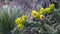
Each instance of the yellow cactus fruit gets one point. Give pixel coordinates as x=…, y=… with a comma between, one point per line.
x=42, y=11
x=24, y=17
x=17, y=21
x=41, y=17
x=35, y=14
x=20, y=26
x=51, y=6
x=21, y=20
x=48, y=10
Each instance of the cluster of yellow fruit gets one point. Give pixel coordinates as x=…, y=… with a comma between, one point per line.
x=42, y=11
x=20, y=22
x=36, y=15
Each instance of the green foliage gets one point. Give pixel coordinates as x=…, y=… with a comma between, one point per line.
x=7, y=19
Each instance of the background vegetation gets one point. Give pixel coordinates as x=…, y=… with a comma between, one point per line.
x=12, y=9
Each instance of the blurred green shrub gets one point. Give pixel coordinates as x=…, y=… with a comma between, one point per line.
x=7, y=19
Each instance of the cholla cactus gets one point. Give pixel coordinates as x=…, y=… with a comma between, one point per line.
x=47, y=24
x=42, y=12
